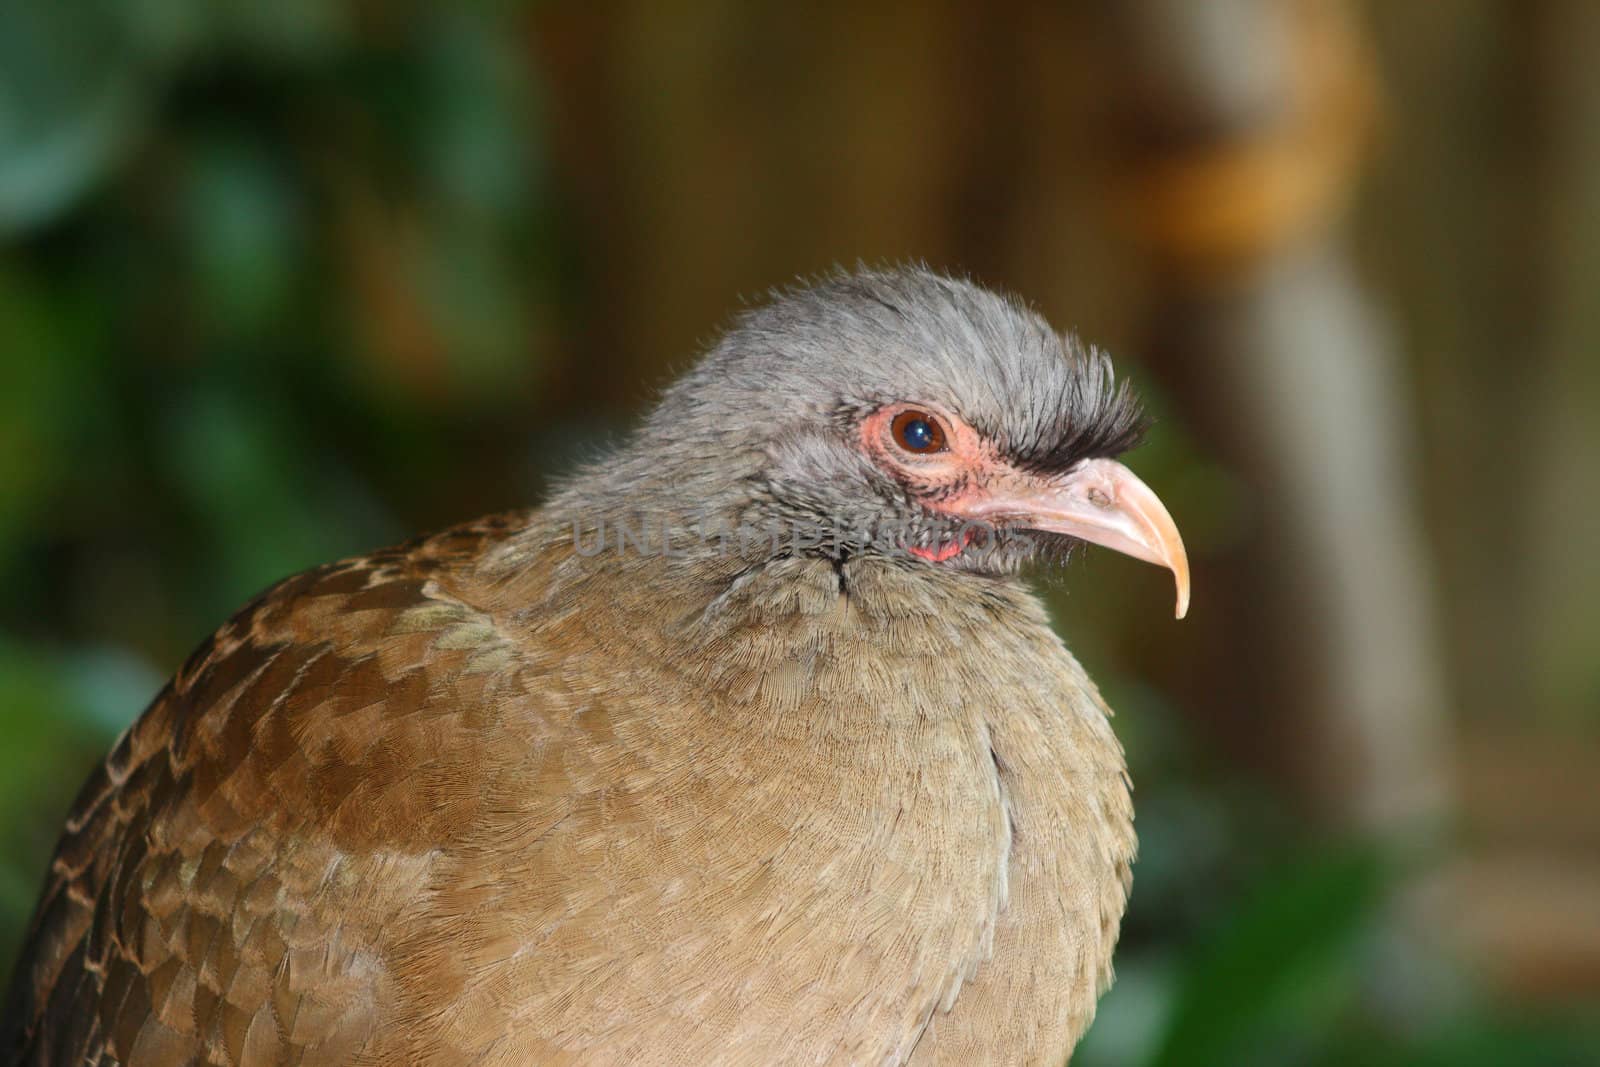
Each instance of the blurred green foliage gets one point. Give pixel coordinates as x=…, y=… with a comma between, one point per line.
x=269, y=294
x=280, y=282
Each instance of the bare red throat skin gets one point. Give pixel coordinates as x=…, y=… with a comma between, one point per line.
x=945, y=550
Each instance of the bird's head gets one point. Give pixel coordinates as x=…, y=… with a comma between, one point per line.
x=907, y=414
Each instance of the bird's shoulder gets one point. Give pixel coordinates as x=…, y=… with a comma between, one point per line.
x=276, y=802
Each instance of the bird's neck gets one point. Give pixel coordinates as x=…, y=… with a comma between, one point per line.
x=660, y=571
x=690, y=533
x=646, y=511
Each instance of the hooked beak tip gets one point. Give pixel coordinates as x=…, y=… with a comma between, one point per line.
x=1104, y=503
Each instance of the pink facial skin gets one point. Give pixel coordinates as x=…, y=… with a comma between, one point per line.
x=938, y=479
x=1099, y=500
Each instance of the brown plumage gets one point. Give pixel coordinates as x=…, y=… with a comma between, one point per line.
x=496, y=797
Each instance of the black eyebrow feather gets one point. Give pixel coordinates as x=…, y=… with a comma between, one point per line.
x=1096, y=417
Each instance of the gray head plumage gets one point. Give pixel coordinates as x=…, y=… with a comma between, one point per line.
x=862, y=338
x=764, y=427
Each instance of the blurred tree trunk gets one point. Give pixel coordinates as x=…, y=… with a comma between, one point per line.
x=1238, y=128
x=1493, y=220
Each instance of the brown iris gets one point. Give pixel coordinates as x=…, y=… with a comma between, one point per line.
x=917, y=431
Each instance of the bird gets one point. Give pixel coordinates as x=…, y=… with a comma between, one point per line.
x=751, y=745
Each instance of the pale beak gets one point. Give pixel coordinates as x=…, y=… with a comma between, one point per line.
x=1099, y=501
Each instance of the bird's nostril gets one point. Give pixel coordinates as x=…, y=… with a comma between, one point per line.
x=1098, y=498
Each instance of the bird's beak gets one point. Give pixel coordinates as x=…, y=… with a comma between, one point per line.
x=1102, y=502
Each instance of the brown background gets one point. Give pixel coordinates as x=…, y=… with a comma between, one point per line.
x=308, y=278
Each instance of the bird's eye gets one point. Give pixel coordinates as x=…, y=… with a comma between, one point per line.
x=917, y=431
